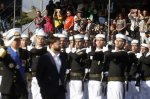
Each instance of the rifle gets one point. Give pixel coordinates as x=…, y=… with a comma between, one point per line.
x=67, y=76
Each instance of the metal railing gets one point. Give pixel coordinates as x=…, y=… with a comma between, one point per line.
x=31, y=23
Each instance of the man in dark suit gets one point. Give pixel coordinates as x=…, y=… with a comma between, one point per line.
x=51, y=71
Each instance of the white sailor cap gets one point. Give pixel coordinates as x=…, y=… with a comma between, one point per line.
x=70, y=38
x=24, y=35
x=62, y=36
x=55, y=35
x=64, y=32
x=134, y=41
x=121, y=36
x=86, y=38
x=40, y=33
x=78, y=37
x=144, y=45
x=100, y=36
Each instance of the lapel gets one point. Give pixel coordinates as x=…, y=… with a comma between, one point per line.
x=52, y=61
x=62, y=62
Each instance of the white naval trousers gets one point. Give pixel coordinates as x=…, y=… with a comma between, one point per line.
x=95, y=90
x=68, y=90
x=115, y=90
x=35, y=89
x=76, y=90
x=132, y=92
x=145, y=90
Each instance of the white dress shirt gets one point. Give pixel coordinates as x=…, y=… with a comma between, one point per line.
x=56, y=59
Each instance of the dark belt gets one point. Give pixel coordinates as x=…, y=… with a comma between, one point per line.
x=76, y=76
x=132, y=79
x=122, y=79
x=146, y=78
x=95, y=77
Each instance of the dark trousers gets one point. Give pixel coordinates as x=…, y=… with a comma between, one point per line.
x=5, y=96
x=59, y=95
x=14, y=94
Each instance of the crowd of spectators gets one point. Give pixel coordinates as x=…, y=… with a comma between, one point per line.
x=90, y=19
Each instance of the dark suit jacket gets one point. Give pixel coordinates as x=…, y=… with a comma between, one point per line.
x=48, y=76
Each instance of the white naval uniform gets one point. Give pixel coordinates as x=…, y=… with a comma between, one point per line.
x=133, y=91
x=115, y=89
x=35, y=89
x=145, y=87
x=76, y=91
x=76, y=88
x=94, y=87
x=68, y=50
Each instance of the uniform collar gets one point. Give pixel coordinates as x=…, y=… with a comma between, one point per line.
x=14, y=50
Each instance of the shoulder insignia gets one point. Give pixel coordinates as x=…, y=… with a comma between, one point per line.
x=2, y=52
x=11, y=65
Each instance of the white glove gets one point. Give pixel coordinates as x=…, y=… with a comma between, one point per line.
x=73, y=50
x=88, y=50
x=137, y=88
x=68, y=50
x=138, y=55
x=67, y=71
x=86, y=70
x=106, y=73
x=105, y=49
x=137, y=75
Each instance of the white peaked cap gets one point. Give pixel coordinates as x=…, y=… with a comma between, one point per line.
x=98, y=36
x=144, y=45
x=13, y=32
x=121, y=36
x=134, y=41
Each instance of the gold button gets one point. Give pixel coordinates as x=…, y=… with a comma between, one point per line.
x=14, y=81
x=11, y=65
x=15, y=71
x=14, y=76
x=1, y=68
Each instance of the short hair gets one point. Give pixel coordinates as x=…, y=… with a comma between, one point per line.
x=52, y=40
